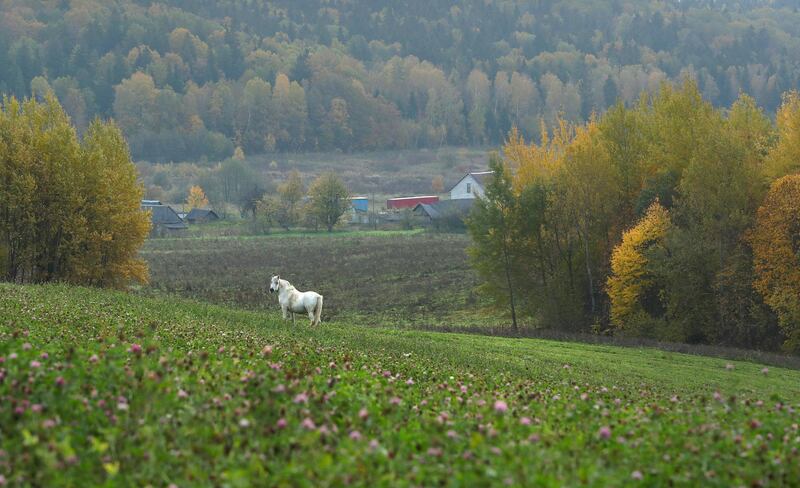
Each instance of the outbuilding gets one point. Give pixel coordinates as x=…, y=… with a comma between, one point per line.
x=409, y=202
x=164, y=219
x=201, y=215
x=361, y=204
x=446, y=214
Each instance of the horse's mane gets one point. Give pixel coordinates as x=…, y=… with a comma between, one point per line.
x=289, y=286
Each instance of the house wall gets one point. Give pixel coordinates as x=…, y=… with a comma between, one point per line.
x=460, y=190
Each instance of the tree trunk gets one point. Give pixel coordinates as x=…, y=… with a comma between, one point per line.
x=510, y=289
x=585, y=236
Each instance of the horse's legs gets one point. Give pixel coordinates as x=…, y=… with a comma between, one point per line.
x=311, y=317
x=292, y=318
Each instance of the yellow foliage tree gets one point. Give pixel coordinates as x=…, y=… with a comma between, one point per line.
x=116, y=224
x=531, y=163
x=776, y=242
x=630, y=279
x=784, y=158
x=591, y=193
x=69, y=210
x=197, y=198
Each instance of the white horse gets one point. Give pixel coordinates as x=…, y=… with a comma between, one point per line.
x=294, y=301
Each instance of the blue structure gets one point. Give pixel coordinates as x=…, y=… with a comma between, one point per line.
x=361, y=204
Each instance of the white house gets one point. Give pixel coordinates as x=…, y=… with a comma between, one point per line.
x=470, y=185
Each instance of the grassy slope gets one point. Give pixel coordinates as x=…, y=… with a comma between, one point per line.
x=123, y=418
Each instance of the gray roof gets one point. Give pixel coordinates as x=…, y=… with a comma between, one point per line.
x=201, y=213
x=482, y=176
x=479, y=176
x=460, y=207
x=165, y=216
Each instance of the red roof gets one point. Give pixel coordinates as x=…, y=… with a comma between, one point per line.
x=410, y=202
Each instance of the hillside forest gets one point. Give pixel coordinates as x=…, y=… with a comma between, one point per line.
x=189, y=80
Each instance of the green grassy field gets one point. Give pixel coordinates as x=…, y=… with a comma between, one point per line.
x=99, y=387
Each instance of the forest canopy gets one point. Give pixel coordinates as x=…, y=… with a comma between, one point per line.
x=194, y=79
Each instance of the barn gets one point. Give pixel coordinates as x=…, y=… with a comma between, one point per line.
x=447, y=214
x=409, y=202
x=164, y=219
x=201, y=215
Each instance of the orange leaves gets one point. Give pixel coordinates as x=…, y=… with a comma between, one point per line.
x=197, y=198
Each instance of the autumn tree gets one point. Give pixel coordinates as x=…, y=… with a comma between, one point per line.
x=115, y=224
x=290, y=113
x=335, y=127
x=560, y=99
x=715, y=203
x=135, y=102
x=329, y=200
x=784, y=158
x=290, y=196
x=592, y=200
x=69, y=209
x=548, y=259
x=524, y=103
x=197, y=198
x=266, y=213
x=236, y=180
x=478, y=99
x=625, y=139
x=253, y=118
x=776, y=246
x=635, y=292
x=753, y=128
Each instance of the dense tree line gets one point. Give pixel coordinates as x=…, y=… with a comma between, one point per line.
x=193, y=79
x=670, y=219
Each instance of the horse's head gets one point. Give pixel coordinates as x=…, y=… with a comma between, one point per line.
x=275, y=284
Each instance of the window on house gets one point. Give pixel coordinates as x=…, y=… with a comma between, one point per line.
x=469, y=187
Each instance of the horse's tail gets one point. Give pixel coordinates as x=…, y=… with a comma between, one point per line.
x=318, y=310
